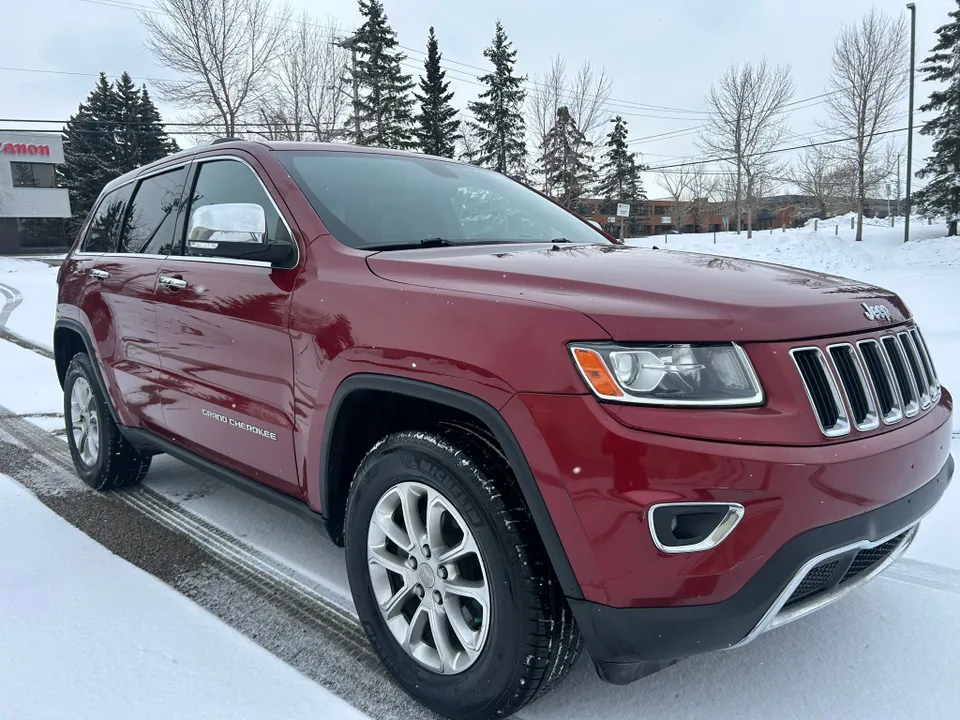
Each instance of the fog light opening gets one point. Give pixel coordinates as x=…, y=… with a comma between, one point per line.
x=692, y=527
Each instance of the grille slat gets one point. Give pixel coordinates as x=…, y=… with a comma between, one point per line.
x=882, y=380
x=932, y=383
x=854, y=386
x=822, y=391
x=933, y=368
x=911, y=403
x=916, y=371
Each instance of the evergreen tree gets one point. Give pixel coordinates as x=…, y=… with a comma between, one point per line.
x=89, y=150
x=128, y=124
x=565, y=162
x=942, y=193
x=153, y=139
x=620, y=175
x=116, y=130
x=438, y=126
x=499, y=121
x=385, y=105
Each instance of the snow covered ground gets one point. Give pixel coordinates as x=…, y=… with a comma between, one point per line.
x=85, y=634
x=890, y=650
x=37, y=283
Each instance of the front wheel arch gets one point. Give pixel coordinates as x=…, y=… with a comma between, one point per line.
x=436, y=402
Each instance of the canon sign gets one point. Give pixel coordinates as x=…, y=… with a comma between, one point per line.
x=23, y=149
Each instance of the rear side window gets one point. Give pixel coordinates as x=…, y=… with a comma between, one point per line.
x=230, y=182
x=153, y=214
x=101, y=234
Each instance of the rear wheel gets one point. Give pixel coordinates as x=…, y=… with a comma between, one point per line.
x=451, y=581
x=103, y=458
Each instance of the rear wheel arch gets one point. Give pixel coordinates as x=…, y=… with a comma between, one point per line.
x=368, y=407
x=70, y=338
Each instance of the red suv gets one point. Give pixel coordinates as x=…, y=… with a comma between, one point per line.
x=527, y=436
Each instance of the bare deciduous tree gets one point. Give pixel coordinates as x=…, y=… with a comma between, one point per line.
x=702, y=186
x=677, y=183
x=815, y=175
x=869, y=80
x=585, y=96
x=747, y=120
x=225, y=49
x=306, y=97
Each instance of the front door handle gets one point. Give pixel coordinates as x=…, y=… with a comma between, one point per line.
x=99, y=274
x=172, y=282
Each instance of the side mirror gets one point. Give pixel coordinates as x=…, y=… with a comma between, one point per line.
x=234, y=230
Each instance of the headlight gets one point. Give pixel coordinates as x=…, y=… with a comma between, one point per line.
x=718, y=375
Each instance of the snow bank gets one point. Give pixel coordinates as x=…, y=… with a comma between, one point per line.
x=87, y=635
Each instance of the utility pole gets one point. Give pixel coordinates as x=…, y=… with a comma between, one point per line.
x=913, y=42
x=350, y=44
x=898, y=185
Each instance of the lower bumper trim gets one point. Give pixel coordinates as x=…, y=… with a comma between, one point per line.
x=779, y=615
x=651, y=638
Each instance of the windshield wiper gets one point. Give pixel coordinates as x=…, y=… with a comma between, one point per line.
x=559, y=240
x=426, y=242
x=432, y=242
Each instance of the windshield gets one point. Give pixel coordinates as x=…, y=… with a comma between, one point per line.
x=369, y=200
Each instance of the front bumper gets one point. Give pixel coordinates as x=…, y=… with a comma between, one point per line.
x=629, y=643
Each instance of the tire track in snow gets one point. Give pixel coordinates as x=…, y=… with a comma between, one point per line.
x=272, y=604
x=11, y=299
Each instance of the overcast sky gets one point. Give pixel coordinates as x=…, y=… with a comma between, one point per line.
x=662, y=54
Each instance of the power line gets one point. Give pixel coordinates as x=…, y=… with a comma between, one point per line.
x=81, y=74
x=778, y=150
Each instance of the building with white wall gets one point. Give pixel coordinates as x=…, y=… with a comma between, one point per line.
x=32, y=208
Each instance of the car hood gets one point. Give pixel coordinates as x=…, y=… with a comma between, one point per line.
x=637, y=294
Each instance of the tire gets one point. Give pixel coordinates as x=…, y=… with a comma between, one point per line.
x=103, y=458
x=526, y=634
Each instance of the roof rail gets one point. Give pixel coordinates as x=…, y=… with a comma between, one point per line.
x=225, y=140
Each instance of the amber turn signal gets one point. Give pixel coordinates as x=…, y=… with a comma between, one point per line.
x=595, y=372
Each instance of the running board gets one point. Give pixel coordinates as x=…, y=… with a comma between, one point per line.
x=146, y=440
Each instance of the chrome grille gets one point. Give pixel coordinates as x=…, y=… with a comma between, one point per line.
x=886, y=379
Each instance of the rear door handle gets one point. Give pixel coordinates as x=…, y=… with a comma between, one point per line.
x=99, y=274
x=172, y=282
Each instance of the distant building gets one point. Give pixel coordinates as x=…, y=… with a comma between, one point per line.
x=33, y=209
x=656, y=216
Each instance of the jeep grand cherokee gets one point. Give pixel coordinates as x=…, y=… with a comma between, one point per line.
x=528, y=437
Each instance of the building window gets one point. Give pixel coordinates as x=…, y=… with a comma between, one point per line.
x=41, y=233
x=661, y=210
x=36, y=175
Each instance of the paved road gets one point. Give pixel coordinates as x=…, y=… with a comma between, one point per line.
x=272, y=604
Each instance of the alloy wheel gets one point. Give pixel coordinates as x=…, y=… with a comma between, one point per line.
x=429, y=578
x=85, y=422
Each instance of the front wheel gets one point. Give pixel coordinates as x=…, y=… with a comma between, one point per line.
x=450, y=580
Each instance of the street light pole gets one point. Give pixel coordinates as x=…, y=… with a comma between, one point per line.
x=350, y=44
x=913, y=42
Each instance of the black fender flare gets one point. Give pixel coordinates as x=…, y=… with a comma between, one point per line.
x=489, y=416
x=79, y=329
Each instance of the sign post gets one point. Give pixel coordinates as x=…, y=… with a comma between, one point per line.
x=623, y=211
